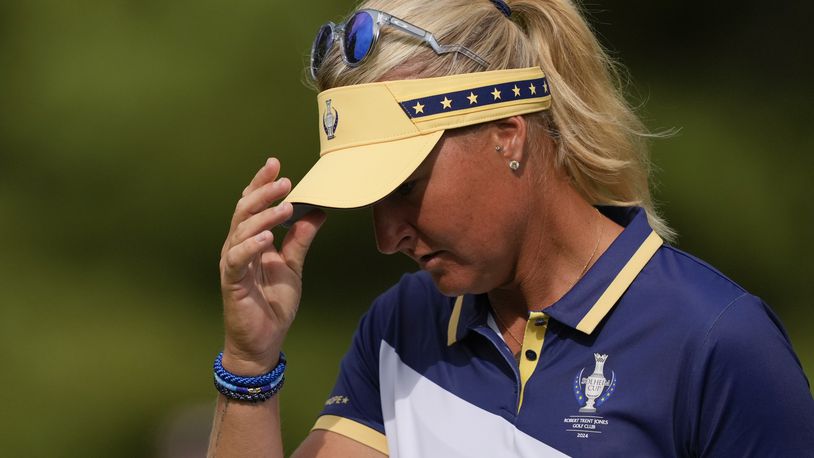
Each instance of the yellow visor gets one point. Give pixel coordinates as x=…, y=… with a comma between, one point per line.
x=373, y=136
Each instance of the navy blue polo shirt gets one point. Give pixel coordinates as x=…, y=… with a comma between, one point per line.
x=652, y=353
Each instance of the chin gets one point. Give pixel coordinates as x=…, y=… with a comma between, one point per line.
x=455, y=284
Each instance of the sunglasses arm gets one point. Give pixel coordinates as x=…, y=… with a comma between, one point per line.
x=457, y=48
x=429, y=38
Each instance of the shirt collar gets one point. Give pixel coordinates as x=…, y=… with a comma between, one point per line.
x=585, y=305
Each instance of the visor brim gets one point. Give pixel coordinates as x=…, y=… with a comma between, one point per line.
x=361, y=175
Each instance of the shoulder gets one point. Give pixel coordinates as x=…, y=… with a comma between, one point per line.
x=740, y=383
x=716, y=307
x=702, y=311
x=747, y=388
x=690, y=293
x=700, y=288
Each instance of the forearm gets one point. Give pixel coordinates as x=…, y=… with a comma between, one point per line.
x=243, y=429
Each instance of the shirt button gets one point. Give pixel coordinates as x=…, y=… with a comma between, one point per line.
x=531, y=355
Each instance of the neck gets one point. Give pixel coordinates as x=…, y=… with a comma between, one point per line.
x=564, y=236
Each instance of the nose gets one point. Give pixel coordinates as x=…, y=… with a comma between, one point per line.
x=393, y=229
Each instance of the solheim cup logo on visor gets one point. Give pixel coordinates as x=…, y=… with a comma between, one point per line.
x=591, y=391
x=330, y=119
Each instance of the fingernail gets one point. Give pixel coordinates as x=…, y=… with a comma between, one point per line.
x=262, y=237
x=284, y=207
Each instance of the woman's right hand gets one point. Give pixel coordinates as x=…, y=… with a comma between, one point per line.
x=261, y=285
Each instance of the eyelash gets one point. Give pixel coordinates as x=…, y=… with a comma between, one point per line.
x=405, y=188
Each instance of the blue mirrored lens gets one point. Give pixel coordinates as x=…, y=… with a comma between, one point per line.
x=322, y=44
x=358, y=37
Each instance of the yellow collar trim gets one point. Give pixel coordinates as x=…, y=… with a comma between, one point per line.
x=606, y=301
x=452, y=330
x=620, y=284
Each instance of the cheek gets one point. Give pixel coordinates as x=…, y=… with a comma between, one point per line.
x=480, y=218
x=477, y=217
x=482, y=259
x=444, y=217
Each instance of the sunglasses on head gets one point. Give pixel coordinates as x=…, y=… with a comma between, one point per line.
x=359, y=34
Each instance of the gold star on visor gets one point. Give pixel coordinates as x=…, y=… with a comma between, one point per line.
x=419, y=108
x=446, y=103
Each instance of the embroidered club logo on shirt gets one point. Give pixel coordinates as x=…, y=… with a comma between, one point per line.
x=591, y=392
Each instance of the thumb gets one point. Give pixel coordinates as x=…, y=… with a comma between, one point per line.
x=298, y=239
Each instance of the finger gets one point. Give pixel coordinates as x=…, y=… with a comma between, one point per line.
x=265, y=220
x=259, y=199
x=298, y=240
x=235, y=262
x=266, y=174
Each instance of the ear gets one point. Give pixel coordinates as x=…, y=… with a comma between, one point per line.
x=509, y=134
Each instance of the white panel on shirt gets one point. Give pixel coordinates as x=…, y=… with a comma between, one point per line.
x=421, y=419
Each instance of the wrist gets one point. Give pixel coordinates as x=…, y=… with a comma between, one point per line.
x=250, y=363
x=249, y=367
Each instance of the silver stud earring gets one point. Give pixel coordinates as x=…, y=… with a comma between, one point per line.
x=498, y=148
x=514, y=165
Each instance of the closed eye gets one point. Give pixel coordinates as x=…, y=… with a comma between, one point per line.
x=406, y=188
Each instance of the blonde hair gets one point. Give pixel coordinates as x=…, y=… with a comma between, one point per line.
x=600, y=142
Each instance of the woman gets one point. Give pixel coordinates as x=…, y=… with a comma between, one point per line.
x=548, y=317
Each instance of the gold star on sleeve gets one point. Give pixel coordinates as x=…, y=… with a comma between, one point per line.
x=473, y=99
x=496, y=94
x=533, y=88
x=419, y=108
x=545, y=87
x=516, y=91
x=446, y=103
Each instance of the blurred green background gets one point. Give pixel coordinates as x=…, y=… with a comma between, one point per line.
x=129, y=128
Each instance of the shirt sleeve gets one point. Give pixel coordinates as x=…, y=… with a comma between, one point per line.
x=750, y=394
x=353, y=408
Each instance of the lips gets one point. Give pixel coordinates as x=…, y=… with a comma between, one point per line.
x=428, y=260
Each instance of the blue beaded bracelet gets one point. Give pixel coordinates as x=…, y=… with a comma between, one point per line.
x=258, y=397
x=251, y=382
x=249, y=390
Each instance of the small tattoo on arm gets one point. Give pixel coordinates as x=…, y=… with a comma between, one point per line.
x=214, y=436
